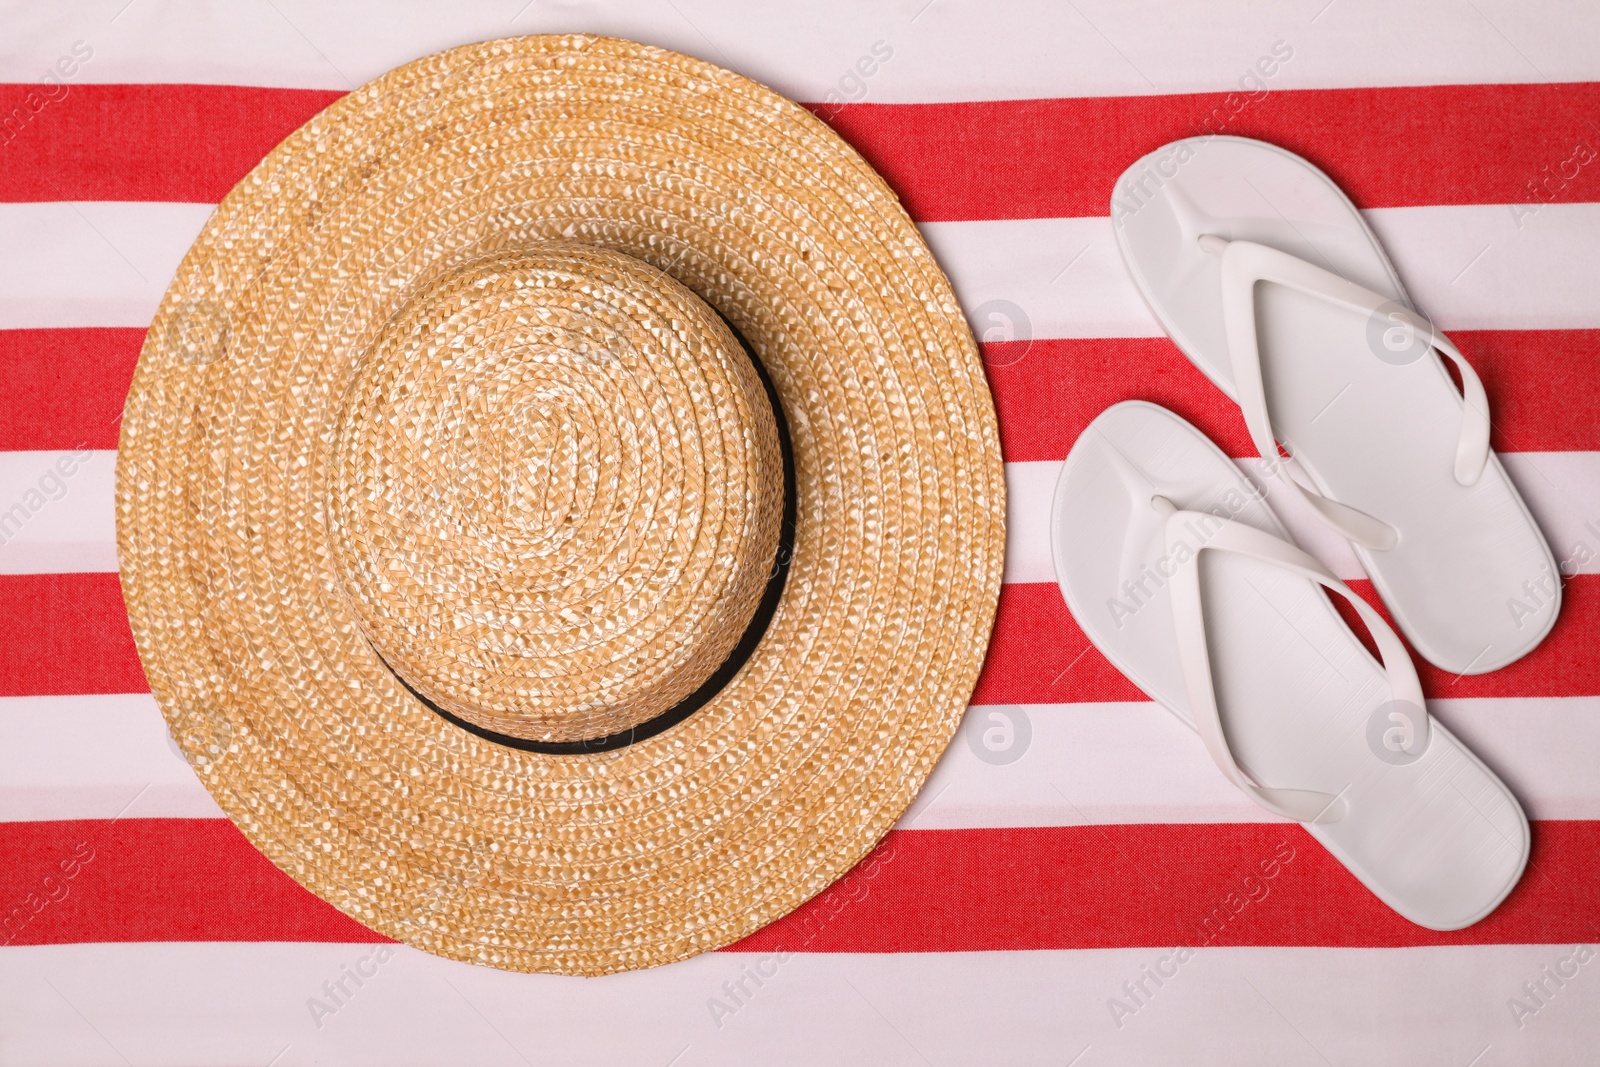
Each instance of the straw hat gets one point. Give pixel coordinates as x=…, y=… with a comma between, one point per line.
x=490, y=585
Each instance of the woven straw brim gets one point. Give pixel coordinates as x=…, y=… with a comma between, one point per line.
x=423, y=831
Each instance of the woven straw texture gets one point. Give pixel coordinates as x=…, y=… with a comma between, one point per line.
x=415, y=396
x=555, y=492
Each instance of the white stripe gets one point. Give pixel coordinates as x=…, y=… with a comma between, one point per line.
x=57, y=512
x=253, y=1003
x=101, y=757
x=93, y=757
x=940, y=51
x=51, y=524
x=1562, y=489
x=90, y=264
x=1469, y=267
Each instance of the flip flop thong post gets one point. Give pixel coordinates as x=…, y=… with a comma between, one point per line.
x=1271, y=282
x=1179, y=573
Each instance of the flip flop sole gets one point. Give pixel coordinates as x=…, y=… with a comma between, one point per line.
x=1436, y=835
x=1369, y=412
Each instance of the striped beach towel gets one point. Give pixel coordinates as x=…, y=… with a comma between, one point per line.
x=1076, y=884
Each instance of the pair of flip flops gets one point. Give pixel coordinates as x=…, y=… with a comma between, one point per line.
x=1178, y=571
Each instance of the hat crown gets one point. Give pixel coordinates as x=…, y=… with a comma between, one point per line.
x=556, y=487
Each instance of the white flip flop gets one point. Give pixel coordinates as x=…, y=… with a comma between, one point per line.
x=1179, y=573
x=1270, y=281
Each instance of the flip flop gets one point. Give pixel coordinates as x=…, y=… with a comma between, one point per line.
x=1179, y=573
x=1331, y=360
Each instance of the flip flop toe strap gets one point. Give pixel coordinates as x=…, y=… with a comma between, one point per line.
x=1301, y=805
x=1244, y=263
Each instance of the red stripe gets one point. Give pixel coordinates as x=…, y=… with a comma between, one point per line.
x=1566, y=663
x=1465, y=144
x=1019, y=159
x=1157, y=886
x=1047, y=392
x=68, y=386
x=921, y=891
x=1038, y=655
x=68, y=633
x=152, y=880
x=1543, y=393
x=65, y=388
x=180, y=143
